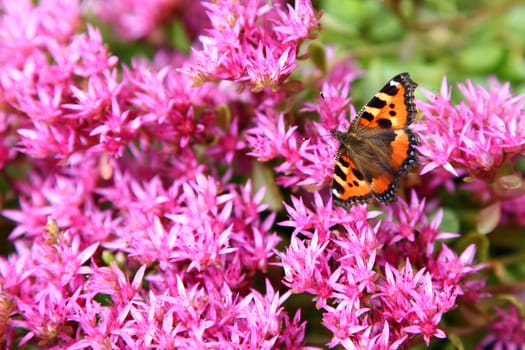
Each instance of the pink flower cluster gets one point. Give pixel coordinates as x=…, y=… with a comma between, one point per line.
x=130, y=231
x=508, y=330
x=306, y=158
x=477, y=136
x=379, y=282
x=135, y=222
x=136, y=19
x=482, y=138
x=256, y=44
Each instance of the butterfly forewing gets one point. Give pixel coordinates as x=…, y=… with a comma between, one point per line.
x=392, y=107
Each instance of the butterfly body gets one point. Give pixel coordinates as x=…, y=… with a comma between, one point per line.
x=378, y=147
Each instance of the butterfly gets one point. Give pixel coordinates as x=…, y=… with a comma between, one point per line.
x=378, y=147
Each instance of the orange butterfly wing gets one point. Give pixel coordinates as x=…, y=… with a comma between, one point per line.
x=392, y=107
x=404, y=153
x=384, y=121
x=349, y=184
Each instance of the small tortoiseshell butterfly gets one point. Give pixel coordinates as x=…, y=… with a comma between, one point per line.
x=378, y=147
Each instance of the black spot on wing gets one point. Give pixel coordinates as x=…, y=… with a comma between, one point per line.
x=376, y=102
x=384, y=123
x=389, y=89
x=358, y=174
x=336, y=186
x=339, y=172
x=343, y=162
x=368, y=116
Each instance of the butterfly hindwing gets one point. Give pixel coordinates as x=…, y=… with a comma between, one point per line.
x=349, y=185
x=384, y=187
x=378, y=147
x=403, y=151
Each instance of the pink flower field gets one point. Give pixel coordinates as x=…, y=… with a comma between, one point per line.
x=168, y=191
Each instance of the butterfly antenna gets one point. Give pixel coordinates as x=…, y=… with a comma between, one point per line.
x=323, y=108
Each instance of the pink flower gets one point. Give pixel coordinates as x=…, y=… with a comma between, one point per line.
x=45, y=297
x=427, y=310
x=361, y=280
x=507, y=330
x=134, y=20
x=345, y=321
x=239, y=48
x=112, y=282
x=229, y=146
x=479, y=135
x=49, y=124
x=299, y=22
x=303, y=269
x=307, y=159
x=139, y=220
x=268, y=71
x=513, y=211
x=408, y=232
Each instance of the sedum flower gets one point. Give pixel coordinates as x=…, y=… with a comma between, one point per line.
x=478, y=135
x=359, y=282
x=239, y=47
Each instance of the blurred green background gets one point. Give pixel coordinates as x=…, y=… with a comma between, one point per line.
x=462, y=39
